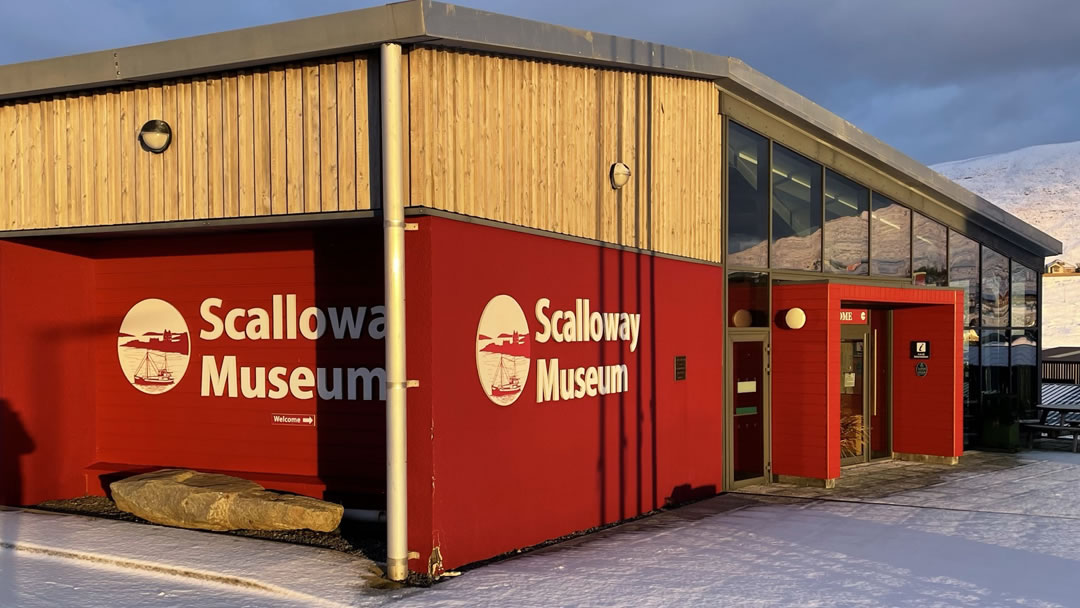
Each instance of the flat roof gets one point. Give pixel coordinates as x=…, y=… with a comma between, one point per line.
x=436, y=23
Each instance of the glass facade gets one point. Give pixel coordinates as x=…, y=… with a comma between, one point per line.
x=789, y=213
x=995, y=289
x=890, y=238
x=964, y=273
x=796, y=211
x=971, y=386
x=748, y=299
x=1025, y=291
x=994, y=359
x=847, y=205
x=1023, y=352
x=748, y=198
x=928, y=247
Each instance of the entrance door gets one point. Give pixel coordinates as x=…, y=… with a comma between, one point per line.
x=854, y=423
x=864, y=414
x=750, y=403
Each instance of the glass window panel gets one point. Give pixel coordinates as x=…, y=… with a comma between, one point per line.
x=1025, y=294
x=748, y=299
x=796, y=211
x=1025, y=382
x=971, y=386
x=890, y=235
x=964, y=273
x=928, y=251
x=846, y=225
x=748, y=197
x=995, y=289
x=994, y=360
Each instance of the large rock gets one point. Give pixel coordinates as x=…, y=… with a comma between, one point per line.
x=190, y=499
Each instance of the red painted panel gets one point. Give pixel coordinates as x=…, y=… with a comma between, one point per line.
x=801, y=367
x=925, y=408
x=927, y=411
x=507, y=476
x=46, y=382
x=195, y=425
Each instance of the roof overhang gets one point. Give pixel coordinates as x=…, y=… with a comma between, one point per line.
x=435, y=23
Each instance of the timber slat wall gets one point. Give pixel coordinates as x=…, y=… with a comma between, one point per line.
x=514, y=140
x=283, y=139
x=531, y=142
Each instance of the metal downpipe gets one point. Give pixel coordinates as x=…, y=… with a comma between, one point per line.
x=393, y=208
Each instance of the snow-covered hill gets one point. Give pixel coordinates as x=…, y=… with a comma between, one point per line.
x=1040, y=185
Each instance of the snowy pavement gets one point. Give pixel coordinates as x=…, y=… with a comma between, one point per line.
x=996, y=536
x=49, y=559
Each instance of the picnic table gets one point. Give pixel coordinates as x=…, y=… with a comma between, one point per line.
x=1055, y=419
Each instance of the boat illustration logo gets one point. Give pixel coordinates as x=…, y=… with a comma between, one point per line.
x=153, y=346
x=503, y=350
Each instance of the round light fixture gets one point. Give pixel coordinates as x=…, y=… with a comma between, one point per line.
x=619, y=175
x=794, y=318
x=155, y=136
x=742, y=318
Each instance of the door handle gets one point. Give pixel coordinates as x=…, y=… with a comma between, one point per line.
x=873, y=378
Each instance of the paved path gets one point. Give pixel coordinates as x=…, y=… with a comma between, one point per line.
x=998, y=530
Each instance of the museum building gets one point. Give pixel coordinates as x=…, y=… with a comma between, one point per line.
x=635, y=276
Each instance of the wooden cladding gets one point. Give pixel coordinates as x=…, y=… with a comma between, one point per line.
x=530, y=143
x=286, y=139
x=513, y=140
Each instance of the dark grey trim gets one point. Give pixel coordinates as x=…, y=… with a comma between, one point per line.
x=422, y=211
x=261, y=45
x=263, y=222
x=437, y=23
x=462, y=27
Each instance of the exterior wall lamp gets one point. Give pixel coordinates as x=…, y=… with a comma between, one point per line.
x=155, y=136
x=619, y=175
x=793, y=318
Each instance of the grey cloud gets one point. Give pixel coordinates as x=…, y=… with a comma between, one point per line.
x=938, y=80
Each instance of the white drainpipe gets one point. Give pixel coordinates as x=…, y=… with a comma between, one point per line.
x=393, y=208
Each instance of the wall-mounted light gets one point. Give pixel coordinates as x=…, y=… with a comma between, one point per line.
x=619, y=175
x=155, y=136
x=793, y=318
x=742, y=318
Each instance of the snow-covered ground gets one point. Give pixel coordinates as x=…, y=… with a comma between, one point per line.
x=1040, y=185
x=1008, y=537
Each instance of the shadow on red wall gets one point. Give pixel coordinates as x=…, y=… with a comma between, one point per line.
x=15, y=441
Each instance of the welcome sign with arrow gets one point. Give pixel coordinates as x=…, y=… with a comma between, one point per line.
x=293, y=419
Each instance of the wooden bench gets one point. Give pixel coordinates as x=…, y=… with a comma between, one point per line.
x=1054, y=430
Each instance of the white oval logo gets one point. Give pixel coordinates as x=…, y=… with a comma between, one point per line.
x=503, y=350
x=153, y=346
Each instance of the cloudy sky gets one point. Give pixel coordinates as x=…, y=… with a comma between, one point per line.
x=938, y=79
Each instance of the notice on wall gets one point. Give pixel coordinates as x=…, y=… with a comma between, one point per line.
x=746, y=386
x=849, y=379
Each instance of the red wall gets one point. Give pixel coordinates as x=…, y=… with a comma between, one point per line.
x=46, y=382
x=805, y=397
x=510, y=476
x=344, y=451
x=71, y=415
x=928, y=410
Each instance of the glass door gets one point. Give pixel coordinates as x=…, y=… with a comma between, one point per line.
x=750, y=419
x=854, y=424
x=864, y=390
